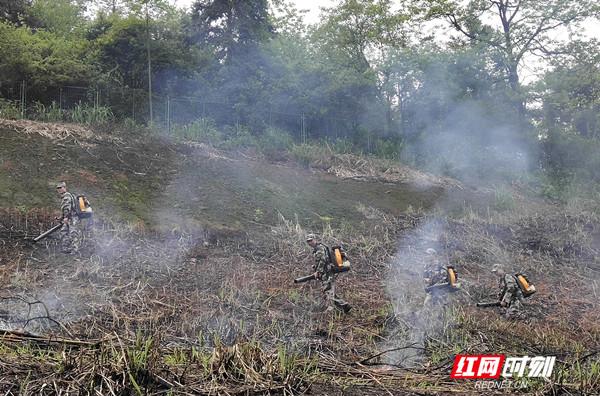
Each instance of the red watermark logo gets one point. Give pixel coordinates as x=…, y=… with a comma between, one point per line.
x=477, y=366
x=492, y=366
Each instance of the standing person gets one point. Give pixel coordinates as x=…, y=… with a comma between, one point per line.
x=510, y=295
x=324, y=272
x=68, y=233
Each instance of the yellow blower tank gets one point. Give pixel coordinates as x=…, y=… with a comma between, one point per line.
x=451, y=277
x=81, y=204
x=339, y=260
x=337, y=253
x=83, y=209
x=527, y=288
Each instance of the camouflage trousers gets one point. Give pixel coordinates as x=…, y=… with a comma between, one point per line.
x=332, y=300
x=434, y=315
x=514, y=309
x=434, y=300
x=70, y=238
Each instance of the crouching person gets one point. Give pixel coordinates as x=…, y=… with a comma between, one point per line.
x=510, y=295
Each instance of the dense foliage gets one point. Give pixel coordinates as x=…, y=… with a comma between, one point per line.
x=376, y=74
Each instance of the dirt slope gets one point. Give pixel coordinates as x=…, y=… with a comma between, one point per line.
x=186, y=274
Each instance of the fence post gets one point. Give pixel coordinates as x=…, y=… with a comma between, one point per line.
x=60, y=99
x=168, y=114
x=303, y=129
x=23, y=99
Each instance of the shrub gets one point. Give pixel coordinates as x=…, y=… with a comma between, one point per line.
x=238, y=136
x=9, y=109
x=388, y=149
x=52, y=113
x=503, y=200
x=273, y=141
x=570, y=153
x=309, y=154
x=342, y=146
x=84, y=113
x=201, y=130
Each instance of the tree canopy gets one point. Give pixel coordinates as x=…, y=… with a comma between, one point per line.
x=368, y=71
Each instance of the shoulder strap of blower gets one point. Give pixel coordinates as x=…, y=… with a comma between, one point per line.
x=74, y=206
x=332, y=260
x=328, y=250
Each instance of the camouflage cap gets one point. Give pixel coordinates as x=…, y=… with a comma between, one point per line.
x=310, y=237
x=61, y=184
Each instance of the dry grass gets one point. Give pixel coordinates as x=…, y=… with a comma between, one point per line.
x=57, y=131
x=360, y=167
x=140, y=311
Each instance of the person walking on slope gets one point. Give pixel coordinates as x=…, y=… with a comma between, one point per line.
x=324, y=272
x=68, y=232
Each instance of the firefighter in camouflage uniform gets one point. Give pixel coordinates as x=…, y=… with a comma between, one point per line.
x=434, y=274
x=510, y=295
x=69, y=235
x=323, y=272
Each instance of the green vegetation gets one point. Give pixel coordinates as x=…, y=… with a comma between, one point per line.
x=185, y=284
x=9, y=109
x=202, y=130
x=364, y=78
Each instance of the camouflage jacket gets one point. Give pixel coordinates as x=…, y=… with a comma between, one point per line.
x=67, y=205
x=509, y=289
x=435, y=274
x=321, y=259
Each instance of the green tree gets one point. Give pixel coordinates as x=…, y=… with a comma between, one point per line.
x=16, y=12
x=46, y=61
x=112, y=6
x=234, y=32
x=570, y=92
x=123, y=44
x=363, y=31
x=231, y=27
x=63, y=17
x=513, y=28
x=354, y=42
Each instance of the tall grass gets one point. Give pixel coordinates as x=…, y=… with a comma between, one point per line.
x=308, y=154
x=9, y=109
x=202, y=130
x=273, y=141
x=82, y=113
x=87, y=114
x=52, y=113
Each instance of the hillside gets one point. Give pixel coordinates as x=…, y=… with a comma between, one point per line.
x=184, y=283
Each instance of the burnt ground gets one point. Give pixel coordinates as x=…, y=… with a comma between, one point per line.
x=184, y=282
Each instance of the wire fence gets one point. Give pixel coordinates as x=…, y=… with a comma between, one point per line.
x=18, y=100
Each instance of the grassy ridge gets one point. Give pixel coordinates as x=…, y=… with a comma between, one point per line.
x=172, y=294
